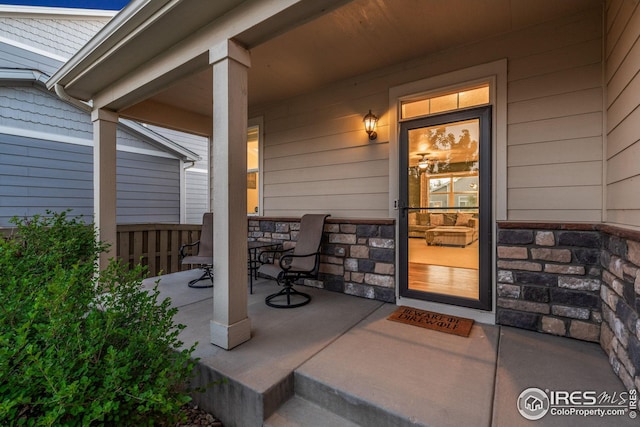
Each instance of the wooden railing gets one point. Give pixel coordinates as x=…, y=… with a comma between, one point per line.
x=156, y=246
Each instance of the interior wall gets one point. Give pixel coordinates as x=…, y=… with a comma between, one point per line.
x=317, y=157
x=622, y=77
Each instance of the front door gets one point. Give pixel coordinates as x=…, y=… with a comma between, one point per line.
x=445, y=221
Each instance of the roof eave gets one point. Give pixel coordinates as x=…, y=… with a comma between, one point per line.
x=125, y=22
x=58, y=12
x=18, y=75
x=154, y=138
x=160, y=141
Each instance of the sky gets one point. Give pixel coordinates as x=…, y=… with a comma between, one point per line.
x=82, y=4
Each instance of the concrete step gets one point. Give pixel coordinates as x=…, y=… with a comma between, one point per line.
x=298, y=412
x=357, y=409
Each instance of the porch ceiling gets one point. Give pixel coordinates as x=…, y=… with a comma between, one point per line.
x=352, y=38
x=365, y=35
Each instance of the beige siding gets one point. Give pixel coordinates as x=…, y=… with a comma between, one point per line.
x=556, y=215
x=554, y=148
x=560, y=82
x=624, y=134
x=560, y=151
x=321, y=160
x=555, y=198
x=574, y=174
x=318, y=158
x=581, y=126
x=622, y=78
x=558, y=105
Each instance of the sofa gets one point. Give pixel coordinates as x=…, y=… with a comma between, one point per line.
x=444, y=228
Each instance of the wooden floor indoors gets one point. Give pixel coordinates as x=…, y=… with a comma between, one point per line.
x=459, y=282
x=443, y=270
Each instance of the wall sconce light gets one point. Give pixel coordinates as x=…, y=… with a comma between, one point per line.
x=370, y=122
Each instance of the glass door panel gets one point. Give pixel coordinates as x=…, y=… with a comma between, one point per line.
x=446, y=192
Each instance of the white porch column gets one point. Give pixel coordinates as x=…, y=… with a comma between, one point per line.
x=228, y=168
x=104, y=179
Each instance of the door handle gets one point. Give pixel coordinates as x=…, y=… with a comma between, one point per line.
x=400, y=204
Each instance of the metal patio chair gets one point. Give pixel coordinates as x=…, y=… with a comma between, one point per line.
x=204, y=257
x=300, y=262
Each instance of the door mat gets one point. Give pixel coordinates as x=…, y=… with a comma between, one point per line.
x=430, y=320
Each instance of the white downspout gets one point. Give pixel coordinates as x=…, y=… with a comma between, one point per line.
x=62, y=94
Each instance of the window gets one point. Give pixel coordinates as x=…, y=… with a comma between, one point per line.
x=253, y=170
x=455, y=191
x=468, y=97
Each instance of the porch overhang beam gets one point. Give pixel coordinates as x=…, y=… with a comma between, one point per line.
x=168, y=116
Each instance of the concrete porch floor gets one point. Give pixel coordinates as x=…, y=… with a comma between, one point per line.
x=338, y=362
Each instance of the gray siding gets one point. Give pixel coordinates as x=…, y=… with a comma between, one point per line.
x=196, y=187
x=40, y=111
x=14, y=57
x=36, y=110
x=42, y=170
x=36, y=175
x=46, y=160
x=197, y=194
x=57, y=34
x=148, y=189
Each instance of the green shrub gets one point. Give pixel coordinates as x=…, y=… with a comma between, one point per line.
x=78, y=348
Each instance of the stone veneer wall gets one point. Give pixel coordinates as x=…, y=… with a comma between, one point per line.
x=575, y=280
x=549, y=279
x=357, y=255
x=620, y=292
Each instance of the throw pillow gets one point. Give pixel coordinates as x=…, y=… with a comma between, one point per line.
x=423, y=218
x=437, y=219
x=463, y=220
x=449, y=219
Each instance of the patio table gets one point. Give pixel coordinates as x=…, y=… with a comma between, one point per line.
x=254, y=261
